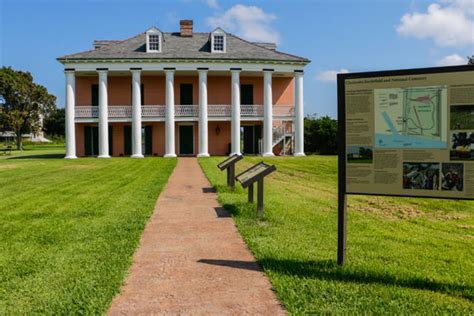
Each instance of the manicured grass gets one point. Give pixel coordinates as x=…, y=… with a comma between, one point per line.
x=405, y=255
x=69, y=228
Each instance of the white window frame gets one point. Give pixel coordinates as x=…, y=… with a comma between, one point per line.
x=154, y=31
x=218, y=32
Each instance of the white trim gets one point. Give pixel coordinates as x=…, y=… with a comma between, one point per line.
x=154, y=31
x=219, y=32
x=180, y=119
x=153, y=65
x=179, y=124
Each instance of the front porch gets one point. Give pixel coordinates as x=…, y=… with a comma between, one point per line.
x=121, y=105
x=186, y=138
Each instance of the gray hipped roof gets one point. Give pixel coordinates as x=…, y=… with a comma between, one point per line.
x=175, y=46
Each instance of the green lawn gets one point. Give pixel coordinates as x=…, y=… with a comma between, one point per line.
x=69, y=228
x=405, y=255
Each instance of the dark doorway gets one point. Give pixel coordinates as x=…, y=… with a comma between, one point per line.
x=91, y=140
x=252, y=134
x=246, y=94
x=186, y=140
x=186, y=94
x=147, y=138
x=127, y=140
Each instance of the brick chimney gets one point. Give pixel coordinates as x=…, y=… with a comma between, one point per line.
x=186, y=28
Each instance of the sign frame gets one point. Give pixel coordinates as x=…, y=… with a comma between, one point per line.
x=341, y=118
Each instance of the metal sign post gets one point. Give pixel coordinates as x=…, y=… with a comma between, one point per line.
x=341, y=190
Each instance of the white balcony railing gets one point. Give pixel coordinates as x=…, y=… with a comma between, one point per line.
x=213, y=110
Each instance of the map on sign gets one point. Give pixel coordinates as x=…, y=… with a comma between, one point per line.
x=411, y=117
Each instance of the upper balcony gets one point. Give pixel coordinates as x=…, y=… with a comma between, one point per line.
x=221, y=112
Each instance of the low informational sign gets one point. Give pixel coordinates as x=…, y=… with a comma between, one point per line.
x=229, y=164
x=405, y=133
x=254, y=174
x=229, y=161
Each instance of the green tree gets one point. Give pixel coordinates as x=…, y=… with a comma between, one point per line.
x=470, y=60
x=22, y=102
x=320, y=135
x=55, y=124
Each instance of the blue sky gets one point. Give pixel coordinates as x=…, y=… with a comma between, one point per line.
x=336, y=35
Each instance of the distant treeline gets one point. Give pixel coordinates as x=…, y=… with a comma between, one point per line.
x=320, y=135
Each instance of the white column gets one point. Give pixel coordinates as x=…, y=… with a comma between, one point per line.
x=267, y=114
x=299, y=115
x=136, y=115
x=103, y=116
x=235, y=128
x=169, y=123
x=203, y=124
x=70, y=104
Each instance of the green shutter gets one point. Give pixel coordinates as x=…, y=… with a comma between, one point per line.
x=111, y=140
x=246, y=94
x=88, y=140
x=127, y=139
x=149, y=140
x=91, y=140
x=95, y=140
x=95, y=95
x=258, y=136
x=186, y=94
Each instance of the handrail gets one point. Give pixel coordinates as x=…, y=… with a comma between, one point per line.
x=213, y=110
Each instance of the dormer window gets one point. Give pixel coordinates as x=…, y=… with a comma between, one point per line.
x=218, y=41
x=153, y=40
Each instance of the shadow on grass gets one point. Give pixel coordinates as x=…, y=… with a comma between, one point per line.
x=44, y=156
x=209, y=190
x=221, y=212
x=329, y=270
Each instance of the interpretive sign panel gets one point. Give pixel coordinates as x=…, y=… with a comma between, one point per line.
x=229, y=161
x=255, y=173
x=405, y=133
x=408, y=132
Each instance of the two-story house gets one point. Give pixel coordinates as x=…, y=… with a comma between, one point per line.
x=183, y=93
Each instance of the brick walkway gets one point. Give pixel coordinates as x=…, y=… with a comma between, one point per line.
x=191, y=259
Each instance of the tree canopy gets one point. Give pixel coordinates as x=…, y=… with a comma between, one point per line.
x=22, y=102
x=320, y=135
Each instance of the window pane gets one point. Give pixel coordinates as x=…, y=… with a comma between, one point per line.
x=154, y=42
x=218, y=43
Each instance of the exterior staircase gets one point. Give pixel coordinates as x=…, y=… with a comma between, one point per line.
x=283, y=138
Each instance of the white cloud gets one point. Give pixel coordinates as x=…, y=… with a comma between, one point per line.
x=249, y=22
x=330, y=75
x=452, y=60
x=213, y=4
x=446, y=22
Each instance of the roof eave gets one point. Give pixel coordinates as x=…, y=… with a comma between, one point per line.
x=64, y=60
